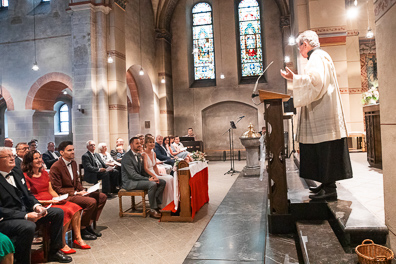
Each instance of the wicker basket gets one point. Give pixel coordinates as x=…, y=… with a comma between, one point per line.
x=370, y=253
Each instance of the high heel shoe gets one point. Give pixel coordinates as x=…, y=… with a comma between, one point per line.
x=70, y=251
x=81, y=246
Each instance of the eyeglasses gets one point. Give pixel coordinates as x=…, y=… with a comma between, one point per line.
x=10, y=156
x=25, y=148
x=299, y=45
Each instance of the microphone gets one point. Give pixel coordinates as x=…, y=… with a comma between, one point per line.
x=241, y=117
x=255, y=93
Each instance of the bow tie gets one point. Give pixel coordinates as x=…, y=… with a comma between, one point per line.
x=8, y=175
x=69, y=164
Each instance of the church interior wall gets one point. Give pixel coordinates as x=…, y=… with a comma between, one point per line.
x=386, y=52
x=190, y=102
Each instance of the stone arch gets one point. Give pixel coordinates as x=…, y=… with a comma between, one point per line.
x=216, y=120
x=45, y=91
x=7, y=98
x=134, y=94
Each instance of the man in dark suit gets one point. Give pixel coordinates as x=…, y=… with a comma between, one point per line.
x=64, y=179
x=117, y=156
x=21, y=149
x=95, y=169
x=135, y=178
x=20, y=210
x=161, y=152
x=50, y=156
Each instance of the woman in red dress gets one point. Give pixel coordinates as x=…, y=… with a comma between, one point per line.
x=39, y=184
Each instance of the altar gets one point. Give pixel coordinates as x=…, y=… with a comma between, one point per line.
x=191, y=192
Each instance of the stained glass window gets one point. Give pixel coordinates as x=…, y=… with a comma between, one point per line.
x=203, y=48
x=250, y=38
x=4, y=3
x=64, y=118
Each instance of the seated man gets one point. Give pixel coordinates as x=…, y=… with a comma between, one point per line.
x=9, y=143
x=135, y=178
x=64, y=179
x=20, y=210
x=21, y=149
x=190, y=133
x=50, y=156
x=161, y=152
x=95, y=169
x=113, y=153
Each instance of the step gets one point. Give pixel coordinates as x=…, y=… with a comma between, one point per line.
x=319, y=244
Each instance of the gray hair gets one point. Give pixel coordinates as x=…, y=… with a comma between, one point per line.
x=101, y=145
x=4, y=149
x=309, y=36
x=87, y=144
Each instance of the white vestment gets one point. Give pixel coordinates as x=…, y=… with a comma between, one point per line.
x=321, y=116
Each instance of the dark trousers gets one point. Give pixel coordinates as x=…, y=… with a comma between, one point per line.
x=21, y=233
x=92, y=205
x=154, y=191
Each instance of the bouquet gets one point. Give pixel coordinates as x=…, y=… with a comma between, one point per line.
x=198, y=156
x=371, y=96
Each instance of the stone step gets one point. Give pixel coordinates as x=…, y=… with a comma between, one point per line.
x=319, y=244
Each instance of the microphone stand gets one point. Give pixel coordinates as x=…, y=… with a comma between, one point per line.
x=231, y=139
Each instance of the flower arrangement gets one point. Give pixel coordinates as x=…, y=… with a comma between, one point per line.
x=371, y=96
x=198, y=156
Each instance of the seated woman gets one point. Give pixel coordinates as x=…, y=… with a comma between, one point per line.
x=39, y=184
x=7, y=250
x=178, y=146
x=180, y=154
x=150, y=167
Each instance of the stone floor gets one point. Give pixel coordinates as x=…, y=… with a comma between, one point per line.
x=145, y=240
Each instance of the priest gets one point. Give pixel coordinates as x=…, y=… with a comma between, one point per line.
x=321, y=129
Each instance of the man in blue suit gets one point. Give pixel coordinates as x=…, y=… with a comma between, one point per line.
x=161, y=152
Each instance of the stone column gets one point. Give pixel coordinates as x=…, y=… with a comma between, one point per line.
x=118, y=110
x=88, y=68
x=165, y=90
x=386, y=51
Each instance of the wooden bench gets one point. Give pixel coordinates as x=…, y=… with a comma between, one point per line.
x=132, y=209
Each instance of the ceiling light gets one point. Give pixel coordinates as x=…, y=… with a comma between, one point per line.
x=369, y=33
x=292, y=41
x=352, y=12
x=163, y=80
x=141, y=72
x=222, y=76
x=287, y=59
x=35, y=66
x=110, y=59
x=64, y=92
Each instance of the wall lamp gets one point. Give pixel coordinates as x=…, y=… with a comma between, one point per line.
x=80, y=109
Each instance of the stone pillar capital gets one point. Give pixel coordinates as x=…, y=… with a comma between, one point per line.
x=163, y=34
x=284, y=22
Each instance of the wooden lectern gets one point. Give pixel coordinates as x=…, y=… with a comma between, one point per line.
x=276, y=156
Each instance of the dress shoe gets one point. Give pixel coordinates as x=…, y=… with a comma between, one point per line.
x=70, y=251
x=60, y=257
x=316, y=189
x=322, y=195
x=81, y=246
x=155, y=214
x=93, y=232
x=109, y=195
x=86, y=235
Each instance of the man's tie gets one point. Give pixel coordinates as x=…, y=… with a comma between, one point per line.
x=8, y=175
x=69, y=164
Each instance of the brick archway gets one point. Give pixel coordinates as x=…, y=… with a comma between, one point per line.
x=7, y=98
x=44, y=92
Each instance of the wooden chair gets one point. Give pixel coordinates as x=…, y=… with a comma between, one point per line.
x=81, y=172
x=132, y=194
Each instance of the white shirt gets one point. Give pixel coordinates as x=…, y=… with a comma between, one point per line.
x=10, y=178
x=69, y=168
x=53, y=155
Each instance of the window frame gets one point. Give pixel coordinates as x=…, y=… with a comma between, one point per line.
x=201, y=82
x=60, y=119
x=2, y=6
x=249, y=79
